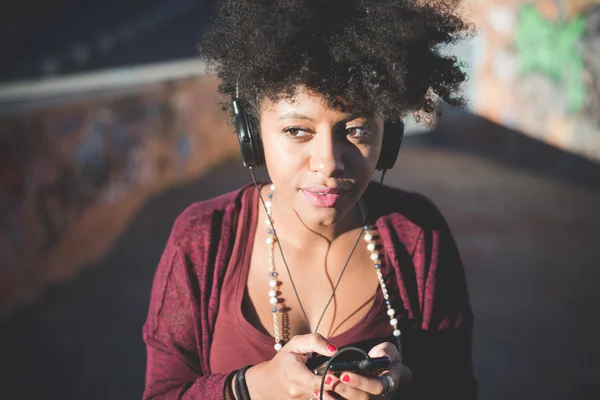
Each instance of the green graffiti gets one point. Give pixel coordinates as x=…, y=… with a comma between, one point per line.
x=551, y=48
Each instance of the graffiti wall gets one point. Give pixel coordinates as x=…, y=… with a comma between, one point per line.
x=536, y=68
x=73, y=175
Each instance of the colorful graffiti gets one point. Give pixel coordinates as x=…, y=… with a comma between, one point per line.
x=73, y=174
x=538, y=69
x=550, y=47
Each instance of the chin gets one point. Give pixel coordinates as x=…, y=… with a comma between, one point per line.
x=322, y=216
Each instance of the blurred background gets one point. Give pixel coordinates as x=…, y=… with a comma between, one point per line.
x=109, y=129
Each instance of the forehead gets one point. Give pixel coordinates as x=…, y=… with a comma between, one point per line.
x=308, y=102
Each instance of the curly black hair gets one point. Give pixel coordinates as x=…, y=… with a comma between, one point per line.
x=381, y=56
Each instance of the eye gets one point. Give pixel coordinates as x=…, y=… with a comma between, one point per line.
x=358, y=132
x=296, y=132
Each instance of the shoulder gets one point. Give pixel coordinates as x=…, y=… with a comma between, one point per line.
x=194, y=245
x=200, y=218
x=404, y=208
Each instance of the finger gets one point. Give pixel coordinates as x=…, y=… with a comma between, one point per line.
x=370, y=385
x=330, y=396
x=311, y=343
x=386, y=349
x=302, y=382
x=347, y=391
x=329, y=381
x=327, y=395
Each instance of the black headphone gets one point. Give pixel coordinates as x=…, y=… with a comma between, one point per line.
x=252, y=148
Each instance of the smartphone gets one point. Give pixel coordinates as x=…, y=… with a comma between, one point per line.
x=363, y=367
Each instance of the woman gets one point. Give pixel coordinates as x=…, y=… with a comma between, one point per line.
x=258, y=283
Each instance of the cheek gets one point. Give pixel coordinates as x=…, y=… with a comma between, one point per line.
x=284, y=163
x=373, y=152
x=278, y=155
x=366, y=157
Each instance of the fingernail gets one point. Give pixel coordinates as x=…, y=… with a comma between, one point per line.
x=346, y=378
x=328, y=380
x=331, y=348
x=316, y=393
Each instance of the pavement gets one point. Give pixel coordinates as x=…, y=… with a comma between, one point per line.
x=527, y=221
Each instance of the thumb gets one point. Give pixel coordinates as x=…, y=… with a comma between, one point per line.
x=305, y=345
x=385, y=349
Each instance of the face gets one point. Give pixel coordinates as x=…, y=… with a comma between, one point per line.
x=320, y=159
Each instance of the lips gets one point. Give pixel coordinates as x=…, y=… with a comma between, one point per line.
x=323, y=196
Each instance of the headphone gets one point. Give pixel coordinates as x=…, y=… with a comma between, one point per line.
x=252, y=148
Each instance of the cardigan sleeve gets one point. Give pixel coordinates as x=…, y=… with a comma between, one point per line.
x=440, y=349
x=172, y=334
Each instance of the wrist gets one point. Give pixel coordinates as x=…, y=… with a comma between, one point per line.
x=253, y=381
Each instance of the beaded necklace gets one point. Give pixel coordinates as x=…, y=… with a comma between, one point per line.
x=274, y=284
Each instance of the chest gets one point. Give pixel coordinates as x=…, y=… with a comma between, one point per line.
x=307, y=291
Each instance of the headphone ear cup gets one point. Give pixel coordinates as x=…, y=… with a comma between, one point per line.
x=393, y=133
x=250, y=143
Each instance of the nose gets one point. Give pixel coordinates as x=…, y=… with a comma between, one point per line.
x=327, y=154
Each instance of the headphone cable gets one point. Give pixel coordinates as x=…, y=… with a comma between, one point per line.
x=363, y=214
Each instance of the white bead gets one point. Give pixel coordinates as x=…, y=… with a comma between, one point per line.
x=371, y=246
x=273, y=300
x=368, y=237
x=268, y=204
x=273, y=283
x=277, y=346
x=375, y=256
x=273, y=293
x=386, y=296
x=391, y=312
x=393, y=321
x=397, y=332
x=268, y=221
x=272, y=187
x=269, y=240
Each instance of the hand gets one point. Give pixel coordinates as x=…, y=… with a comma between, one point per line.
x=286, y=376
x=353, y=386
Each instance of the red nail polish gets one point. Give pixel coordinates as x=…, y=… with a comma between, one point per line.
x=346, y=378
x=316, y=393
x=331, y=348
x=328, y=380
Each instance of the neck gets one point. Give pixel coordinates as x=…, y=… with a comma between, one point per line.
x=293, y=230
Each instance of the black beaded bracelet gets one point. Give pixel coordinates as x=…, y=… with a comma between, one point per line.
x=227, y=391
x=236, y=388
x=241, y=389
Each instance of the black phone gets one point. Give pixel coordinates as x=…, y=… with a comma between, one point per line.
x=365, y=366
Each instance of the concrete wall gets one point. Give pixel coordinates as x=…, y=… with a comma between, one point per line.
x=73, y=173
x=535, y=67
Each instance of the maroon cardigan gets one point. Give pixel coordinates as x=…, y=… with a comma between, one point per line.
x=437, y=323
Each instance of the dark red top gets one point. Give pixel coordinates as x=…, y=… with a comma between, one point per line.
x=237, y=342
x=195, y=332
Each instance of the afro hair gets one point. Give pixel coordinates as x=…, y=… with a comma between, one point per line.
x=380, y=56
